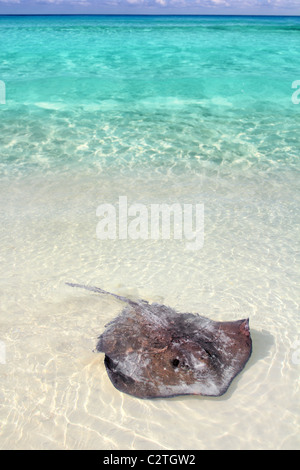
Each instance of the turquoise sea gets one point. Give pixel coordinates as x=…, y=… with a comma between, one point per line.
x=180, y=92
x=160, y=109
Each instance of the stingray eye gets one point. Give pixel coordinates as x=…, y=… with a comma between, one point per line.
x=175, y=362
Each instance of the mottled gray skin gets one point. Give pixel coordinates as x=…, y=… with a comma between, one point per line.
x=152, y=351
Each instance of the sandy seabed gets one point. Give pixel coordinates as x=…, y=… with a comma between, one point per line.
x=54, y=391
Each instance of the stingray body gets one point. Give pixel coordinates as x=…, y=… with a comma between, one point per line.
x=152, y=351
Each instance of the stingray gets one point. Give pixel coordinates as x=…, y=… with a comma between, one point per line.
x=153, y=351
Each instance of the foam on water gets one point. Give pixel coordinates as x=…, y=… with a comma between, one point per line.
x=190, y=111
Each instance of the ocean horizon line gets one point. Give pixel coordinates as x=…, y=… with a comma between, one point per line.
x=150, y=15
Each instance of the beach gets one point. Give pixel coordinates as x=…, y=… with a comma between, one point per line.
x=187, y=110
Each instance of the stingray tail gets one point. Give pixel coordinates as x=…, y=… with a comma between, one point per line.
x=101, y=291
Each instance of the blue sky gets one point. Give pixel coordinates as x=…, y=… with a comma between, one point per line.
x=253, y=7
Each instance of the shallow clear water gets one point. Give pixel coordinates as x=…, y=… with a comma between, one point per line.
x=160, y=109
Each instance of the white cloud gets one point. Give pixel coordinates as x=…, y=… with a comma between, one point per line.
x=135, y=2
x=266, y=5
x=219, y=3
